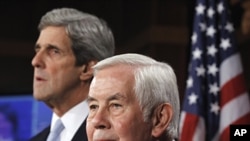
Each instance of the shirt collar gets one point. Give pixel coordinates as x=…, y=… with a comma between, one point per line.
x=77, y=114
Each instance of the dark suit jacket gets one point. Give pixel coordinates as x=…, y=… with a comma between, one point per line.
x=80, y=135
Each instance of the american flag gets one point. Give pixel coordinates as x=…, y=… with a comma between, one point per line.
x=216, y=95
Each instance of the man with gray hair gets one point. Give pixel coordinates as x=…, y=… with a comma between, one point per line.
x=69, y=44
x=133, y=98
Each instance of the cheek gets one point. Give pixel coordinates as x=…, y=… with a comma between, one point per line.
x=128, y=126
x=54, y=73
x=61, y=67
x=89, y=130
x=64, y=75
x=134, y=131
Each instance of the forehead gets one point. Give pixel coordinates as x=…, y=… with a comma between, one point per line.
x=112, y=80
x=54, y=35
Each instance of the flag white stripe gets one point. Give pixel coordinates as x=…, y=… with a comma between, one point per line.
x=230, y=68
x=200, y=131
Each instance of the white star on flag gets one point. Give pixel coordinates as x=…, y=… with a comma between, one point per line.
x=215, y=108
x=194, y=38
x=190, y=82
x=220, y=8
x=192, y=99
x=210, y=12
x=211, y=31
x=229, y=27
x=214, y=89
x=200, y=71
x=202, y=26
x=200, y=9
x=212, y=69
x=225, y=44
x=212, y=50
x=197, y=53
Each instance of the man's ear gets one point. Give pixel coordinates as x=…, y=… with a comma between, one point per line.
x=161, y=119
x=87, y=71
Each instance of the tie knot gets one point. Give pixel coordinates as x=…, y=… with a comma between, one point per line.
x=58, y=127
x=55, y=131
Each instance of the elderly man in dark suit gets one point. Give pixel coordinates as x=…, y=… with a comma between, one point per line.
x=133, y=98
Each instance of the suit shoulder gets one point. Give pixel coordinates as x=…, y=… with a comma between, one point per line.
x=41, y=136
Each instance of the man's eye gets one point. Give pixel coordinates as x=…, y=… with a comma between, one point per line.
x=93, y=107
x=55, y=51
x=116, y=106
x=37, y=49
x=116, y=109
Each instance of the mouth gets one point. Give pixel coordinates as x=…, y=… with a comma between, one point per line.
x=105, y=140
x=37, y=78
x=102, y=135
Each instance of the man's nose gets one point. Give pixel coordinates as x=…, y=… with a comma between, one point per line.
x=101, y=119
x=37, y=60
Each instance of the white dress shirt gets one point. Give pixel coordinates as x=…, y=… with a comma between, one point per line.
x=72, y=120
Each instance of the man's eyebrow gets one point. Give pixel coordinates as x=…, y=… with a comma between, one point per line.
x=37, y=46
x=116, y=96
x=90, y=99
x=49, y=46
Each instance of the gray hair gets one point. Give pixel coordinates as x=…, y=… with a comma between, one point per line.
x=90, y=36
x=155, y=83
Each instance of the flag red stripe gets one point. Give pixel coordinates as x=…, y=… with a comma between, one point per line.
x=225, y=136
x=189, y=126
x=232, y=88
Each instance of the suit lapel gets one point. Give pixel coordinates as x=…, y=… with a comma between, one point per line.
x=41, y=136
x=81, y=135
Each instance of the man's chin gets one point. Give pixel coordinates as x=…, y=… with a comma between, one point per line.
x=40, y=97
